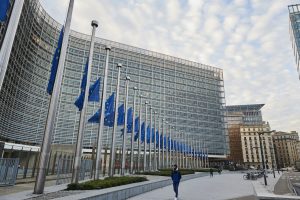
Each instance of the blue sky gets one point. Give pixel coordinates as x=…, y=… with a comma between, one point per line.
x=248, y=39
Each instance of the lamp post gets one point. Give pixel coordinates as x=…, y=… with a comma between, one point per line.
x=262, y=157
x=273, y=166
x=262, y=154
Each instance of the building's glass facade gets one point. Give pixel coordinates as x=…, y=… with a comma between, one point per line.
x=294, y=13
x=188, y=95
x=244, y=114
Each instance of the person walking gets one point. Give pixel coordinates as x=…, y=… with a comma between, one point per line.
x=211, y=172
x=176, y=176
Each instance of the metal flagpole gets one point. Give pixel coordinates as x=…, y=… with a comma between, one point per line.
x=194, y=154
x=163, y=144
x=9, y=37
x=113, y=137
x=125, y=126
x=78, y=152
x=159, y=158
x=207, y=161
x=145, y=138
x=167, y=146
x=170, y=146
x=180, y=150
x=45, y=149
x=102, y=109
x=185, y=151
x=177, y=152
x=155, y=158
x=204, y=151
x=150, y=149
x=133, y=129
x=139, y=139
x=202, y=154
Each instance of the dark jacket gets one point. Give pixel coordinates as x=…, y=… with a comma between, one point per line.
x=176, y=176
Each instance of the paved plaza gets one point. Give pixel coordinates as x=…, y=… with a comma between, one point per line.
x=227, y=186
x=224, y=186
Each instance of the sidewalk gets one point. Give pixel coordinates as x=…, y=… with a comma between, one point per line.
x=220, y=187
x=230, y=186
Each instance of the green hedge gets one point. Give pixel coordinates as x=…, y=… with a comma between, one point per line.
x=106, y=183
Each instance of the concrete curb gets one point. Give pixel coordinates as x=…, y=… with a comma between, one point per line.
x=127, y=191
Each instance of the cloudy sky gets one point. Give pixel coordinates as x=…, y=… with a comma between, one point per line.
x=248, y=39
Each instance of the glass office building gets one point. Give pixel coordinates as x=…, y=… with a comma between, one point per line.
x=294, y=13
x=189, y=95
x=244, y=114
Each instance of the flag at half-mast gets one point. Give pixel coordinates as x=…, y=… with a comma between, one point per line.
x=55, y=62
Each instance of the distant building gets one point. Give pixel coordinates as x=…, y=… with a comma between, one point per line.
x=294, y=13
x=286, y=145
x=237, y=116
x=251, y=146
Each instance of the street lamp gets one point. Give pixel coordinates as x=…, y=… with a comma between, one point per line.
x=273, y=166
x=262, y=153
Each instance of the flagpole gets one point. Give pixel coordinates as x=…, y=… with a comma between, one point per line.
x=170, y=145
x=150, y=149
x=78, y=151
x=9, y=38
x=181, y=152
x=127, y=79
x=46, y=145
x=133, y=131
x=163, y=145
x=102, y=116
x=185, y=151
x=194, y=158
x=159, y=158
x=145, y=137
x=167, y=146
x=140, y=135
x=155, y=158
x=113, y=137
x=176, y=149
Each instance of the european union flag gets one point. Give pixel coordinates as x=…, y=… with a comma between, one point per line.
x=129, y=120
x=109, y=112
x=152, y=135
x=4, y=6
x=165, y=142
x=80, y=99
x=136, y=128
x=136, y=124
x=157, y=138
x=143, y=132
x=148, y=134
x=94, y=92
x=161, y=141
x=121, y=115
x=55, y=61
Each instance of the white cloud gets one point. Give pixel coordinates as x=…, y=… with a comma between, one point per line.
x=247, y=38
